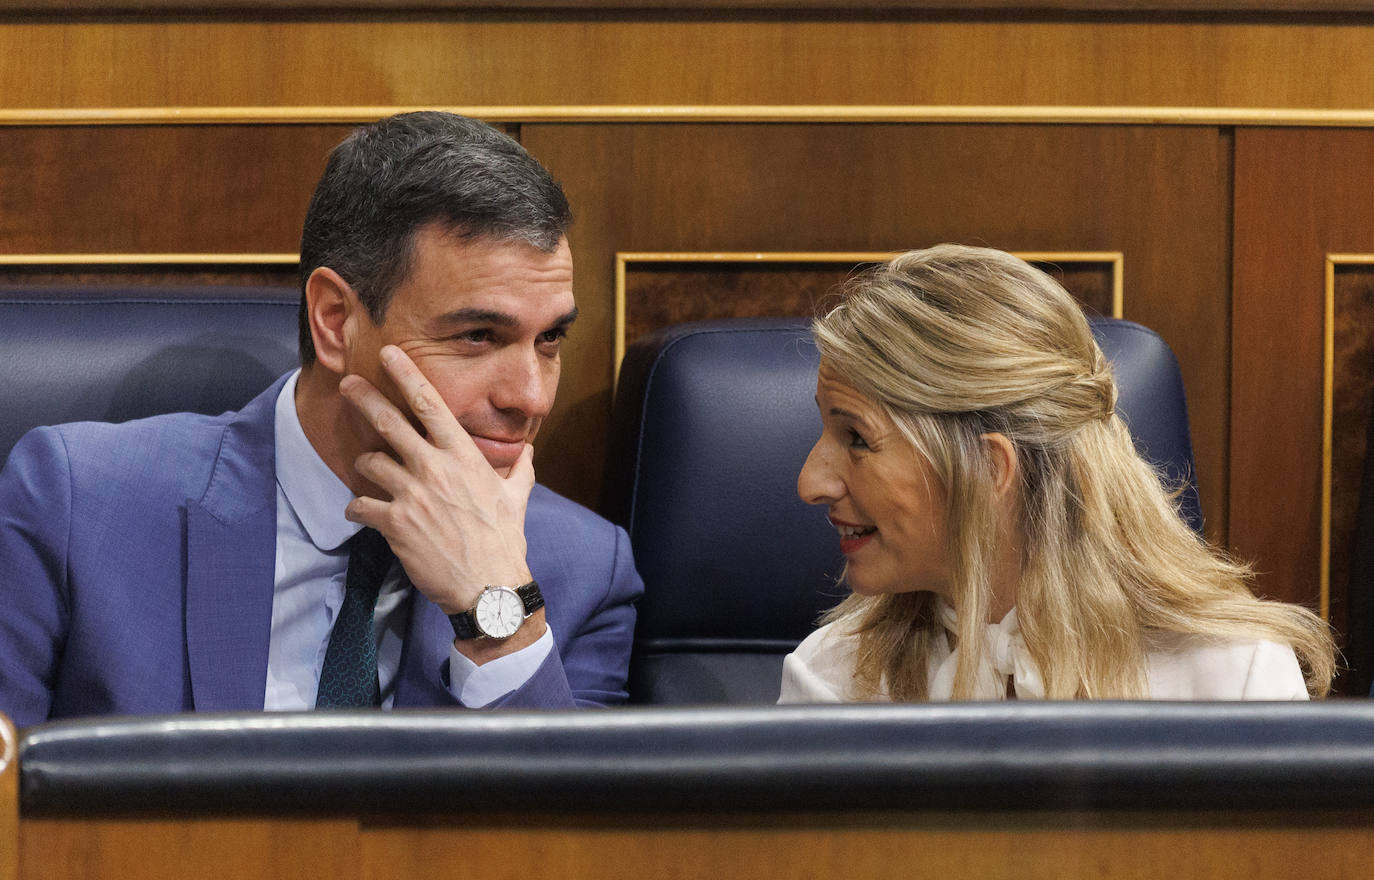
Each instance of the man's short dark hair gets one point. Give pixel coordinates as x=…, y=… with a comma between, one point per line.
x=390, y=179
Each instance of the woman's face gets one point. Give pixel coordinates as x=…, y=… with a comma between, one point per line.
x=882, y=495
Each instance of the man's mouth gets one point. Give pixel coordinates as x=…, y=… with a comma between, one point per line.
x=500, y=452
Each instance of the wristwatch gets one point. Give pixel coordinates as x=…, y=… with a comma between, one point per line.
x=498, y=612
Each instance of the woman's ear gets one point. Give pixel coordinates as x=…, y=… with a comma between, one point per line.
x=1002, y=454
x=329, y=300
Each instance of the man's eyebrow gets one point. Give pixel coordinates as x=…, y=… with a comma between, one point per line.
x=497, y=319
x=479, y=316
x=568, y=318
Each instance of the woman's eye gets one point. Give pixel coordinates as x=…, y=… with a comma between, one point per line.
x=856, y=441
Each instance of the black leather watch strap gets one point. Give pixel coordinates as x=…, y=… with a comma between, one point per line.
x=465, y=622
x=531, y=596
x=465, y=625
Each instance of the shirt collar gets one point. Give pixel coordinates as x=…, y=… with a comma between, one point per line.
x=315, y=494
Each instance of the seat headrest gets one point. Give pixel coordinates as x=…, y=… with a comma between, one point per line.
x=114, y=354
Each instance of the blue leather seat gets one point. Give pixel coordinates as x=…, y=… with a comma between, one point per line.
x=114, y=354
x=712, y=423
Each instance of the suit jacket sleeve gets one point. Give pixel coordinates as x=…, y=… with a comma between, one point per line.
x=590, y=666
x=35, y=515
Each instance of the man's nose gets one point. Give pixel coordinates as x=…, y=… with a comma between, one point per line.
x=526, y=385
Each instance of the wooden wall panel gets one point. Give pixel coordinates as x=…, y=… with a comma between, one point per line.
x=1159, y=195
x=658, y=293
x=1300, y=195
x=1352, y=397
x=9, y=801
x=226, y=848
x=159, y=189
x=1027, y=846
x=520, y=58
x=1046, y=847
x=154, y=275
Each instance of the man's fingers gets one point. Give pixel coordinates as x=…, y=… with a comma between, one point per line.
x=388, y=421
x=521, y=474
x=424, y=400
x=368, y=511
x=383, y=471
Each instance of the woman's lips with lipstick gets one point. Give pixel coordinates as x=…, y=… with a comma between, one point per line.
x=852, y=536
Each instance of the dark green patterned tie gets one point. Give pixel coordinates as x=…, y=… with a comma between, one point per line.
x=349, y=676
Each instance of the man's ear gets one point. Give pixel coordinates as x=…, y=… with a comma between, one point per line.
x=329, y=302
x=1002, y=454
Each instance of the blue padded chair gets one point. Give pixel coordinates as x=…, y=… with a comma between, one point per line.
x=114, y=354
x=712, y=423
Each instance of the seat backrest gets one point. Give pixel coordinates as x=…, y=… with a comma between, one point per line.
x=712, y=423
x=114, y=354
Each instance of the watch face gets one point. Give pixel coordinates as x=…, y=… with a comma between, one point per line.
x=499, y=612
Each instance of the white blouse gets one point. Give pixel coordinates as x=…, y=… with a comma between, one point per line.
x=1181, y=667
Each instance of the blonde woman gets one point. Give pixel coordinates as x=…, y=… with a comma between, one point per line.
x=1002, y=536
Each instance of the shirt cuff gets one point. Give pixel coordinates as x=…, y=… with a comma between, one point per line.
x=476, y=686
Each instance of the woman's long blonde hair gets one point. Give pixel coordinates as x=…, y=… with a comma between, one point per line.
x=956, y=342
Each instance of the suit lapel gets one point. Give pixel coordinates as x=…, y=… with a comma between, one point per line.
x=231, y=534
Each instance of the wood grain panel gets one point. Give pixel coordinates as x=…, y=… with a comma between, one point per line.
x=1300, y=195
x=1248, y=7
x=159, y=189
x=1016, y=847
x=9, y=801
x=474, y=59
x=1159, y=195
x=1053, y=847
x=192, y=848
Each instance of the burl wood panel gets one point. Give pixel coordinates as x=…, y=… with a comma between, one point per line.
x=1300, y=194
x=658, y=294
x=1160, y=195
x=1352, y=403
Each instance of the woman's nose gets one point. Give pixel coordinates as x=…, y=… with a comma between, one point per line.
x=818, y=483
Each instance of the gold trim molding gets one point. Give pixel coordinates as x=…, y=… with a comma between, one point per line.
x=623, y=259
x=792, y=113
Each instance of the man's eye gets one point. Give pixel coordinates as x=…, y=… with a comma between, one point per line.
x=475, y=337
x=554, y=336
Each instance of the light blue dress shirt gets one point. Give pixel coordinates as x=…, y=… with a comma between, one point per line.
x=309, y=587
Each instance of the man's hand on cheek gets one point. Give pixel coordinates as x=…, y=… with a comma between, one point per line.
x=454, y=523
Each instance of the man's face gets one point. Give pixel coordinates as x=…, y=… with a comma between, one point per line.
x=484, y=321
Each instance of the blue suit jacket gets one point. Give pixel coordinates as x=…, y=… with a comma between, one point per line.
x=136, y=576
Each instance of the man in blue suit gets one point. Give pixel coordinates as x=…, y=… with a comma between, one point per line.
x=187, y=562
